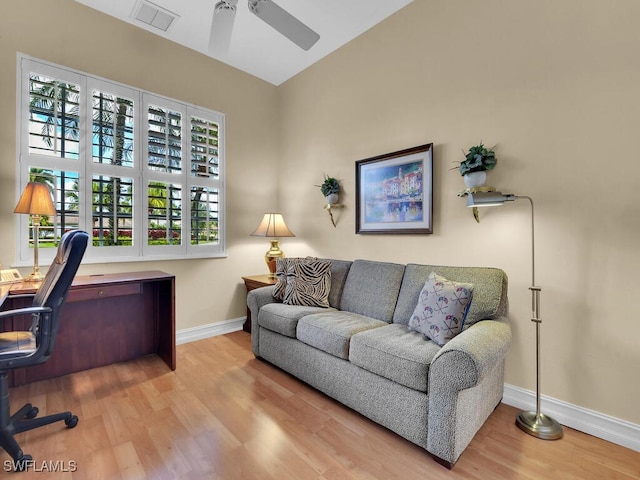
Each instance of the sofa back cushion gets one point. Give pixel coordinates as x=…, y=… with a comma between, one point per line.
x=489, y=290
x=371, y=289
x=339, y=271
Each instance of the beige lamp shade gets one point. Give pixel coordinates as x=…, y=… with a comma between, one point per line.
x=35, y=200
x=272, y=225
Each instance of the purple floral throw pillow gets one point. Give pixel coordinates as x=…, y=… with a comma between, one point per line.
x=442, y=308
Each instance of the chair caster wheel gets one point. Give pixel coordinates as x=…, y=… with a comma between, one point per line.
x=72, y=421
x=33, y=413
x=22, y=463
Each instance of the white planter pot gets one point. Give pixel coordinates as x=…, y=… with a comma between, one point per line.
x=332, y=198
x=475, y=179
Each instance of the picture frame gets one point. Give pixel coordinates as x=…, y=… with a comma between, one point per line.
x=394, y=192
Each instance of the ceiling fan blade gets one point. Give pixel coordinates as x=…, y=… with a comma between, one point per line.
x=224, y=15
x=284, y=22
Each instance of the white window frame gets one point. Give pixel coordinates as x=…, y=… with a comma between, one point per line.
x=141, y=175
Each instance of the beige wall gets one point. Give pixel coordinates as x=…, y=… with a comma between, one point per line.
x=70, y=34
x=556, y=85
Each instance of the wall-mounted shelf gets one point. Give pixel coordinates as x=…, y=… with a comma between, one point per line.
x=467, y=191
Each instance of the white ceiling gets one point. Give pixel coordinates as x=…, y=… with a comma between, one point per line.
x=255, y=47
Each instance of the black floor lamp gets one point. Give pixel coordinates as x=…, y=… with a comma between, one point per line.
x=534, y=423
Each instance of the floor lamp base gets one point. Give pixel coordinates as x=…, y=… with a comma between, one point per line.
x=539, y=425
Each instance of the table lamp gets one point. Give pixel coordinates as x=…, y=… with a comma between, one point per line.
x=272, y=225
x=35, y=201
x=535, y=423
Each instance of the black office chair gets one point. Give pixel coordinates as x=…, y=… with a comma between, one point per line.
x=26, y=348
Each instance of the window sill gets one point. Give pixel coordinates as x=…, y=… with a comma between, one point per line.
x=45, y=261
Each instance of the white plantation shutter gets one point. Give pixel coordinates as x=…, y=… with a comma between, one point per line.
x=164, y=143
x=204, y=148
x=142, y=173
x=205, y=179
x=53, y=122
x=112, y=128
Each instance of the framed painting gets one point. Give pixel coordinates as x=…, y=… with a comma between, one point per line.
x=394, y=192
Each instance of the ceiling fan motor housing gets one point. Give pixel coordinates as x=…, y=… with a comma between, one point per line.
x=226, y=5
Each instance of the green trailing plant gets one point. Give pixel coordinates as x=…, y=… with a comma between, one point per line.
x=478, y=159
x=329, y=186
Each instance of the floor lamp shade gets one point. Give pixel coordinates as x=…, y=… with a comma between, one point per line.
x=35, y=201
x=534, y=423
x=273, y=225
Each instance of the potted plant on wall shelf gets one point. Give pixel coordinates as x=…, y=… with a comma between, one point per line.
x=474, y=167
x=330, y=188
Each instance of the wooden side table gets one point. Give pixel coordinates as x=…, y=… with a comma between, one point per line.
x=251, y=283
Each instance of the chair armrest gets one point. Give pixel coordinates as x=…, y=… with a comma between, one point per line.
x=23, y=295
x=18, y=359
x=23, y=311
x=256, y=299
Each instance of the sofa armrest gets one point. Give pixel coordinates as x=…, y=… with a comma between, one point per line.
x=466, y=381
x=467, y=358
x=256, y=299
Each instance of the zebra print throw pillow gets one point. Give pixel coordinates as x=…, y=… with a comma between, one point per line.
x=308, y=282
x=281, y=275
x=282, y=264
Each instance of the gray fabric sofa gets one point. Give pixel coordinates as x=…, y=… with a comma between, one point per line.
x=361, y=352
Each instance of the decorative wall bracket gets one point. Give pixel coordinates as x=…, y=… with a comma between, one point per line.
x=330, y=206
x=467, y=191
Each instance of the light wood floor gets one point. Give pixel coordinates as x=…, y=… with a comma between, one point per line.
x=225, y=415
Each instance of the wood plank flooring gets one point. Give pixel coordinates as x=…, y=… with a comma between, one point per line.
x=225, y=415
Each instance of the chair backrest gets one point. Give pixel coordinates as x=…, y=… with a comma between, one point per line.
x=55, y=287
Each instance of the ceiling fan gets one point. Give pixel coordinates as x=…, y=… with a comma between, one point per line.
x=279, y=19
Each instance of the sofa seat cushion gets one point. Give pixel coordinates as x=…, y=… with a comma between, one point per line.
x=396, y=353
x=283, y=319
x=331, y=332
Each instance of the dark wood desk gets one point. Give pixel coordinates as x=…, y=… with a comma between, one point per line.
x=251, y=283
x=106, y=319
x=4, y=292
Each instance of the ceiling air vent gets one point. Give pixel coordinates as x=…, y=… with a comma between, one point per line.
x=154, y=15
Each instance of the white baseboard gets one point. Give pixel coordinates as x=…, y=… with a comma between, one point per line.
x=599, y=425
x=210, y=330
x=603, y=426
